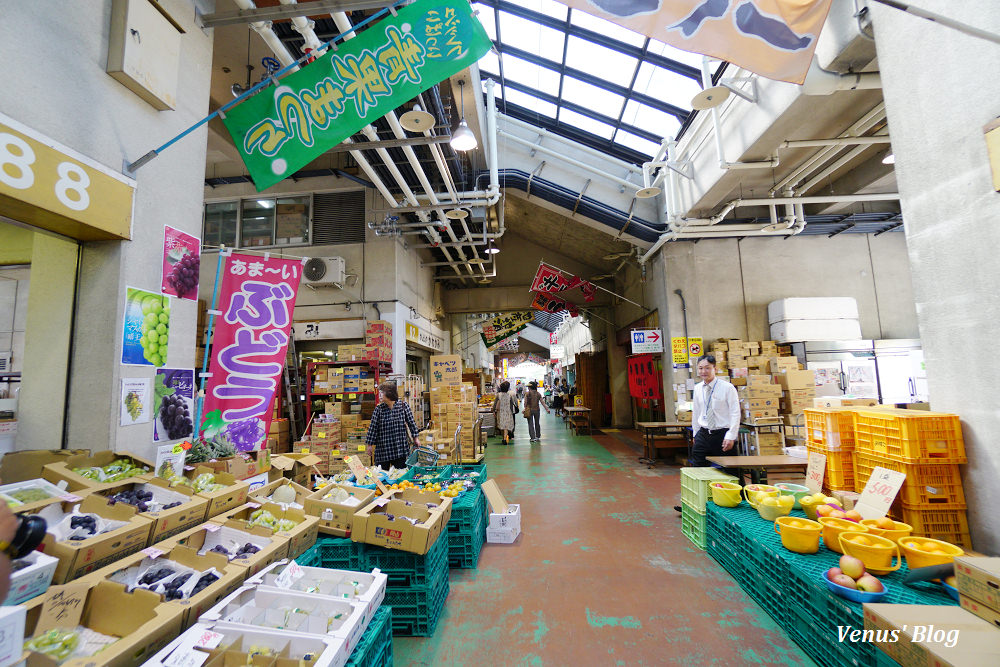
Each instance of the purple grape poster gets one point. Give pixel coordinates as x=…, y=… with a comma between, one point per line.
x=173, y=404
x=181, y=262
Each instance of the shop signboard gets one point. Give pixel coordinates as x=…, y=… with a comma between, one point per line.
x=646, y=340
x=446, y=369
x=645, y=377
x=312, y=110
x=499, y=328
x=557, y=351
x=255, y=300
x=425, y=339
x=181, y=262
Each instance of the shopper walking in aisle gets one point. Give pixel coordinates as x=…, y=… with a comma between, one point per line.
x=519, y=390
x=716, y=415
x=532, y=410
x=557, y=397
x=505, y=407
x=386, y=437
x=567, y=399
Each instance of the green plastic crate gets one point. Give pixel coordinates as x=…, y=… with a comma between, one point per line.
x=417, y=609
x=468, y=468
x=467, y=512
x=464, y=548
x=694, y=485
x=693, y=525
x=437, y=472
x=882, y=660
x=403, y=568
x=374, y=649
x=335, y=553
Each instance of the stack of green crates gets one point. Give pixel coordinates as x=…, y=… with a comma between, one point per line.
x=695, y=494
x=467, y=529
x=374, y=649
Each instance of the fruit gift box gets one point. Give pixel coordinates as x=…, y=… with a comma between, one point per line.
x=180, y=577
x=30, y=495
x=252, y=550
x=88, y=471
x=126, y=628
x=282, y=491
x=88, y=534
x=336, y=505
x=270, y=518
x=170, y=510
x=223, y=491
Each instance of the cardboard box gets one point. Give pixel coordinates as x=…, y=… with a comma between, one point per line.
x=800, y=394
x=979, y=579
x=796, y=420
x=754, y=380
x=167, y=522
x=446, y=369
x=12, y=495
x=233, y=495
x=231, y=576
x=33, y=580
x=760, y=403
x=244, y=465
x=988, y=614
x=842, y=402
x=782, y=364
x=78, y=557
x=63, y=470
x=768, y=413
x=142, y=623
x=26, y=465
x=791, y=379
x=975, y=641
x=505, y=519
x=264, y=494
x=202, y=539
x=372, y=525
x=337, y=518
x=300, y=538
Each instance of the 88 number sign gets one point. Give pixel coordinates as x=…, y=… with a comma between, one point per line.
x=17, y=159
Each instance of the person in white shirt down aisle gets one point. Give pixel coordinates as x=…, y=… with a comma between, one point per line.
x=716, y=416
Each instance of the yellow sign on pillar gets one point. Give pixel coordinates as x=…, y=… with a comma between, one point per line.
x=696, y=347
x=55, y=188
x=678, y=347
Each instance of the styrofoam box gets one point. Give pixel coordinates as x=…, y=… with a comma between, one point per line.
x=800, y=330
x=371, y=584
x=813, y=308
x=50, y=488
x=512, y=519
x=502, y=535
x=329, y=651
x=33, y=580
x=257, y=607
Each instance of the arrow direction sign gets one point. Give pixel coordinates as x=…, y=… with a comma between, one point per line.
x=646, y=340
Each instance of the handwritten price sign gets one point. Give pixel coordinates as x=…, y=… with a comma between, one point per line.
x=879, y=493
x=815, y=471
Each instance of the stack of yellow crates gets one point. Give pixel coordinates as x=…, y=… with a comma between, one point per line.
x=830, y=432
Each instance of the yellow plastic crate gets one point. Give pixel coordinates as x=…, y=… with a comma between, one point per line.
x=937, y=486
x=909, y=436
x=948, y=525
x=830, y=429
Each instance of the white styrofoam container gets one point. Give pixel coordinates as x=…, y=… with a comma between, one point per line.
x=329, y=651
x=244, y=605
x=33, y=580
x=801, y=330
x=12, y=620
x=813, y=308
x=512, y=519
x=372, y=583
x=502, y=535
x=50, y=488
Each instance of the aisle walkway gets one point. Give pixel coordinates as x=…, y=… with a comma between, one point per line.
x=601, y=574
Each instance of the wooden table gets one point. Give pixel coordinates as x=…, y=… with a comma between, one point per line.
x=653, y=429
x=756, y=464
x=577, y=415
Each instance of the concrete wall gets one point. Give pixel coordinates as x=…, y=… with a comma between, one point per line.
x=938, y=100
x=727, y=284
x=68, y=96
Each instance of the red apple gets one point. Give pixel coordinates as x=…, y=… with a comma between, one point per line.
x=845, y=581
x=833, y=572
x=851, y=566
x=870, y=584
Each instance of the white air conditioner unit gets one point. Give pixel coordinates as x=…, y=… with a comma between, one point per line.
x=325, y=271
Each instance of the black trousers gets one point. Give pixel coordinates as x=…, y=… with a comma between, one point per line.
x=706, y=443
x=395, y=463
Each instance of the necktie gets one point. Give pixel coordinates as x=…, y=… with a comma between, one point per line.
x=709, y=413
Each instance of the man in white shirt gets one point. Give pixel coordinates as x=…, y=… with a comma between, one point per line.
x=716, y=416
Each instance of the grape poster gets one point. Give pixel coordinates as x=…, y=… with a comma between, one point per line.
x=146, y=328
x=173, y=404
x=135, y=405
x=181, y=262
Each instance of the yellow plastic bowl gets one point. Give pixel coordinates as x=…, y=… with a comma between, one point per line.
x=899, y=530
x=755, y=493
x=798, y=535
x=796, y=490
x=916, y=556
x=726, y=494
x=772, y=512
x=809, y=507
x=877, y=556
x=832, y=528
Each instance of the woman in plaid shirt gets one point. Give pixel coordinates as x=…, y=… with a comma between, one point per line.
x=386, y=437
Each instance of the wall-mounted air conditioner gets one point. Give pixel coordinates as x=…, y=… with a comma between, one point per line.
x=325, y=272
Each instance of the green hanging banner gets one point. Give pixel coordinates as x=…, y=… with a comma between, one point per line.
x=280, y=130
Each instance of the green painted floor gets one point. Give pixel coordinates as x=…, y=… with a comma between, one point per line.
x=601, y=574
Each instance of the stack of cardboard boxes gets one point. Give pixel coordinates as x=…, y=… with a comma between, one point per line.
x=453, y=405
x=798, y=389
x=378, y=338
x=326, y=441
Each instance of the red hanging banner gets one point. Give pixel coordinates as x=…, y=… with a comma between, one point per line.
x=256, y=300
x=551, y=304
x=645, y=377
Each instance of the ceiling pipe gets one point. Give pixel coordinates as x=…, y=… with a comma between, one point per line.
x=827, y=171
x=304, y=27
x=706, y=82
x=819, y=81
x=263, y=28
x=535, y=146
x=837, y=141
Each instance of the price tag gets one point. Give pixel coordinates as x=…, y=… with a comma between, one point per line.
x=879, y=493
x=152, y=552
x=289, y=575
x=212, y=527
x=63, y=607
x=70, y=498
x=186, y=656
x=209, y=639
x=177, y=449
x=362, y=448
x=815, y=471
x=321, y=434
x=305, y=450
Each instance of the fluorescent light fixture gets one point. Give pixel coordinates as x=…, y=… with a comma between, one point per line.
x=492, y=250
x=889, y=159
